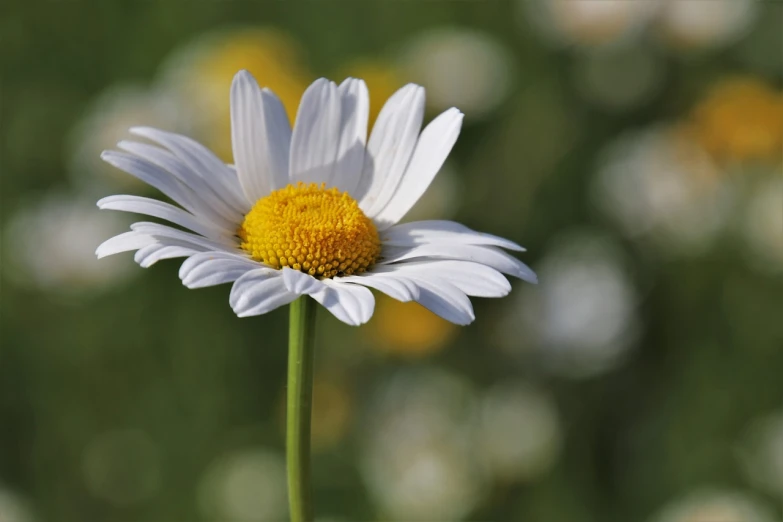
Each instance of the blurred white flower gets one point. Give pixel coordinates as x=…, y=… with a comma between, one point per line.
x=659, y=186
x=50, y=244
x=106, y=122
x=760, y=454
x=690, y=24
x=13, y=508
x=684, y=23
x=715, y=506
x=459, y=68
x=245, y=485
x=519, y=434
x=122, y=467
x=418, y=463
x=588, y=22
x=762, y=226
x=583, y=319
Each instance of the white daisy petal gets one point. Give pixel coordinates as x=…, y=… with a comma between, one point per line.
x=442, y=298
x=400, y=289
x=470, y=278
x=258, y=292
x=151, y=254
x=390, y=147
x=278, y=134
x=299, y=282
x=124, y=242
x=153, y=176
x=261, y=137
x=439, y=232
x=431, y=151
x=214, y=268
x=212, y=170
x=351, y=304
x=185, y=174
x=162, y=210
x=167, y=183
x=316, y=135
x=490, y=256
x=355, y=108
x=445, y=308
x=164, y=233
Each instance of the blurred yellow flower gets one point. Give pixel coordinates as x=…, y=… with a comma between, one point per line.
x=381, y=77
x=408, y=329
x=332, y=411
x=741, y=119
x=273, y=57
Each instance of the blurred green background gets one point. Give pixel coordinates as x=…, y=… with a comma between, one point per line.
x=635, y=149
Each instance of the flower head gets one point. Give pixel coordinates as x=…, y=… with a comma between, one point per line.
x=313, y=210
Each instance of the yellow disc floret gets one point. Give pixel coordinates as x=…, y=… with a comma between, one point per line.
x=310, y=228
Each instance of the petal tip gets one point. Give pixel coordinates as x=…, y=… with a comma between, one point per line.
x=350, y=83
x=242, y=80
x=243, y=74
x=454, y=113
x=528, y=276
x=319, y=83
x=413, y=86
x=139, y=130
x=126, y=145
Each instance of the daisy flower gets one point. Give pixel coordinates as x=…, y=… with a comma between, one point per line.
x=314, y=210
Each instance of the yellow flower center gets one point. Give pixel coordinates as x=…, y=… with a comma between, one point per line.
x=310, y=228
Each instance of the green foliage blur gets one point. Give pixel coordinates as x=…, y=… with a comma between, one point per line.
x=647, y=361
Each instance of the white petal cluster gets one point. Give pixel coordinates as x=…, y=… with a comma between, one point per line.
x=418, y=461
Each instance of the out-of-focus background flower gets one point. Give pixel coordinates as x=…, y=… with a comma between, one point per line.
x=634, y=147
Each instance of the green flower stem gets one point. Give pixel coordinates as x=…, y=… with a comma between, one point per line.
x=301, y=332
